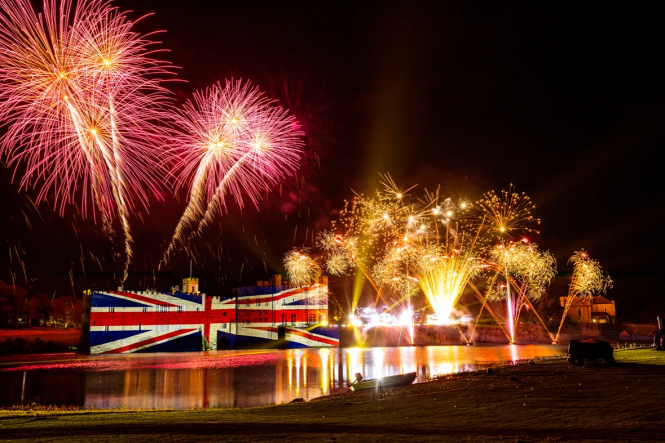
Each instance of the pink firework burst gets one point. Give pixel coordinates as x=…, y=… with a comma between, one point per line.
x=82, y=98
x=234, y=143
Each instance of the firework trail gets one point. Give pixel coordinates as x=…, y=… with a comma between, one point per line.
x=233, y=142
x=529, y=269
x=503, y=216
x=82, y=97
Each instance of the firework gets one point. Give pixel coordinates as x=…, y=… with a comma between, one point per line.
x=301, y=268
x=527, y=264
x=505, y=214
x=233, y=142
x=82, y=97
x=588, y=276
x=403, y=245
x=588, y=279
x=502, y=216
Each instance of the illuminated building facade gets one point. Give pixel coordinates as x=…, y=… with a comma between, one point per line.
x=591, y=310
x=269, y=315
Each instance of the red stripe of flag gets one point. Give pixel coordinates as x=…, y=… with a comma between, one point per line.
x=154, y=301
x=313, y=337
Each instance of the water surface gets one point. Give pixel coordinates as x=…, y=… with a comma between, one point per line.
x=229, y=378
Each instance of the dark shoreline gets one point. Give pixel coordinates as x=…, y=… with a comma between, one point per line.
x=549, y=400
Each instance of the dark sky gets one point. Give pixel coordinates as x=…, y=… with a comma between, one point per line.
x=564, y=100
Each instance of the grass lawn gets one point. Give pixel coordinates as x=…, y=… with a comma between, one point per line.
x=548, y=401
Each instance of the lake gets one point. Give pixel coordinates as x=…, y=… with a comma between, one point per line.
x=230, y=378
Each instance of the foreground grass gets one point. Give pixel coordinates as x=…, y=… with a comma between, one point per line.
x=548, y=401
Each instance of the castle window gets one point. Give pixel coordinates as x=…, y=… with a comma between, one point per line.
x=180, y=308
x=579, y=312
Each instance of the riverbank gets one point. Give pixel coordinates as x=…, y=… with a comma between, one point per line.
x=549, y=400
x=38, y=340
x=525, y=333
x=70, y=336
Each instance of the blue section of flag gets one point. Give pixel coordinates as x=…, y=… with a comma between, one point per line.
x=102, y=337
x=108, y=301
x=295, y=345
x=302, y=302
x=248, y=341
x=326, y=331
x=190, y=342
x=195, y=298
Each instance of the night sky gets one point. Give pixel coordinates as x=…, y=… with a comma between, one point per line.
x=565, y=101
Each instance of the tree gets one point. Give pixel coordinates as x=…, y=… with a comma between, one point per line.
x=13, y=303
x=62, y=308
x=77, y=313
x=39, y=307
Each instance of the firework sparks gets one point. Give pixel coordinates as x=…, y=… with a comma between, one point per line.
x=443, y=274
x=588, y=276
x=82, y=96
x=505, y=214
x=234, y=142
x=301, y=268
x=530, y=266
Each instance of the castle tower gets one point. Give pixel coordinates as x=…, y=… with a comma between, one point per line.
x=190, y=285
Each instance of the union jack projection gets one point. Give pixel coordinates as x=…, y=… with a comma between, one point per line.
x=259, y=316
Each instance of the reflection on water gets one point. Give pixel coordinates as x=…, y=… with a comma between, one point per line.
x=229, y=378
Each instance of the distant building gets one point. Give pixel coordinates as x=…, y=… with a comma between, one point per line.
x=591, y=310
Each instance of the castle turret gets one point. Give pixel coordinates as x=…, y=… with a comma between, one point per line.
x=190, y=285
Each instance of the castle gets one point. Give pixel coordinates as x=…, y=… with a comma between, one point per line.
x=591, y=310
